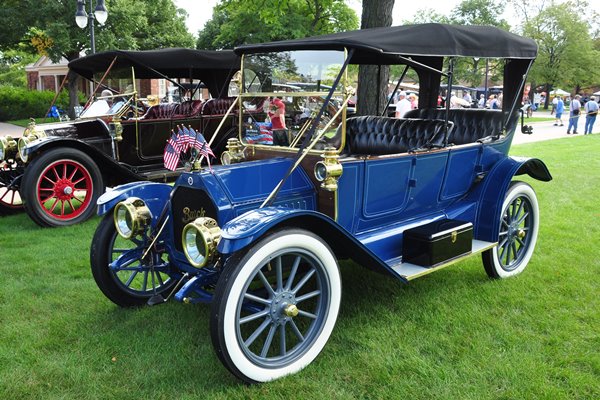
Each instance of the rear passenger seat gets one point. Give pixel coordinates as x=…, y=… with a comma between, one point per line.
x=384, y=135
x=470, y=124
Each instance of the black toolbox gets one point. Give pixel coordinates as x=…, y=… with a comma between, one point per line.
x=437, y=242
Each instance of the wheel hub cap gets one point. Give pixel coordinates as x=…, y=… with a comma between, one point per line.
x=283, y=307
x=63, y=189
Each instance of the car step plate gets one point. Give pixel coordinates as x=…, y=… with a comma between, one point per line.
x=412, y=271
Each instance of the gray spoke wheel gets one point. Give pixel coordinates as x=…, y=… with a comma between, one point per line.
x=134, y=282
x=517, y=235
x=276, y=306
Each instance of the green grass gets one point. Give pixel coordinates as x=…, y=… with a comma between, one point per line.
x=454, y=334
x=25, y=122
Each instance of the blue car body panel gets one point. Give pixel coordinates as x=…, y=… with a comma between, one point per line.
x=155, y=195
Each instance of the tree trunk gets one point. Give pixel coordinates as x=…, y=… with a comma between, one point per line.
x=372, y=85
x=72, y=81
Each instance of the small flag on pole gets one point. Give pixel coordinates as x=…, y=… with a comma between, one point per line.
x=200, y=143
x=172, y=152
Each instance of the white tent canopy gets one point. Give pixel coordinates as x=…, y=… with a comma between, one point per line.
x=596, y=93
x=559, y=92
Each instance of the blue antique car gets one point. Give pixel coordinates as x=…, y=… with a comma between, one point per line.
x=259, y=236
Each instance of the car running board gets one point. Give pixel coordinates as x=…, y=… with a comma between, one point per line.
x=411, y=271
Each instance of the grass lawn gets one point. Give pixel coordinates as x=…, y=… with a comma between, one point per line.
x=454, y=334
x=25, y=122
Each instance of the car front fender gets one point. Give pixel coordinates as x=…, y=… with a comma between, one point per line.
x=491, y=192
x=155, y=195
x=251, y=226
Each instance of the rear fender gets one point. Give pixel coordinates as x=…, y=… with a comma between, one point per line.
x=490, y=194
x=155, y=195
x=248, y=228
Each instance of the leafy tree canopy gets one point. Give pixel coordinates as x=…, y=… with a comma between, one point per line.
x=567, y=50
x=235, y=22
x=49, y=26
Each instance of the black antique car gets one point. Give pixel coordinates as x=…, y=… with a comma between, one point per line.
x=58, y=170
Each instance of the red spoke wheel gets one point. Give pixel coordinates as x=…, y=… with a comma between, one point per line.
x=10, y=198
x=61, y=187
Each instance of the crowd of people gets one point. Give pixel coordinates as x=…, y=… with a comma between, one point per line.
x=579, y=105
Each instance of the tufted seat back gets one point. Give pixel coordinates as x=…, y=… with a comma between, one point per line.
x=217, y=106
x=385, y=135
x=162, y=111
x=470, y=124
x=190, y=108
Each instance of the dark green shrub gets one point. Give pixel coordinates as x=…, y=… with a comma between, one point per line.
x=19, y=103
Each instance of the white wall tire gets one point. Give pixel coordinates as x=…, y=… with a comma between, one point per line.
x=284, y=259
x=518, y=231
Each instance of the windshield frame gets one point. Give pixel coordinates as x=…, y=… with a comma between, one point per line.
x=342, y=91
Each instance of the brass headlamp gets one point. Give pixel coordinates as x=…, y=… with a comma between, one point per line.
x=234, y=153
x=8, y=147
x=31, y=133
x=131, y=217
x=329, y=170
x=200, y=239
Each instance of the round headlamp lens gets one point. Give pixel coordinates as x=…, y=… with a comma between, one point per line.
x=320, y=171
x=124, y=221
x=21, y=146
x=194, y=246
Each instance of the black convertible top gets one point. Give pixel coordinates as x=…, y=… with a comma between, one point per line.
x=380, y=45
x=214, y=68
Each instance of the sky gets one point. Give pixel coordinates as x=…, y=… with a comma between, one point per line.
x=200, y=11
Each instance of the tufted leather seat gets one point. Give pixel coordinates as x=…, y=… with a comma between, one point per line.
x=470, y=124
x=385, y=135
x=217, y=106
x=190, y=108
x=162, y=111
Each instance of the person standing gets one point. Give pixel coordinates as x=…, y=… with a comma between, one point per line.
x=402, y=106
x=277, y=116
x=467, y=97
x=559, y=108
x=591, y=109
x=481, y=102
x=574, y=115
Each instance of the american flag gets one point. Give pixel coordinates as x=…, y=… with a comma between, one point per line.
x=172, y=152
x=199, y=143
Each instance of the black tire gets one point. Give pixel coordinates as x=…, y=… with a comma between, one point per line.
x=114, y=284
x=304, y=272
x=518, y=230
x=60, y=187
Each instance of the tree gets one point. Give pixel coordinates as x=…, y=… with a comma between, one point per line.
x=373, y=80
x=235, y=22
x=566, y=49
x=131, y=24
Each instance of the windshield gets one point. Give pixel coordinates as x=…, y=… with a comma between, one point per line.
x=282, y=94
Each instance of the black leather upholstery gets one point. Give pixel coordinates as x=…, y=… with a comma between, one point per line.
x=470, y=124
x=385, y=135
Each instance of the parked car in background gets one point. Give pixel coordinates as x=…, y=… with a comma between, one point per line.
x=259, y=237
x=58, y=170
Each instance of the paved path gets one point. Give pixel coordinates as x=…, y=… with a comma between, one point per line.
x=547, y=131
x=10, y=129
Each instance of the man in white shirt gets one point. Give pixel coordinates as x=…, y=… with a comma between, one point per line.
x=402, y=106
